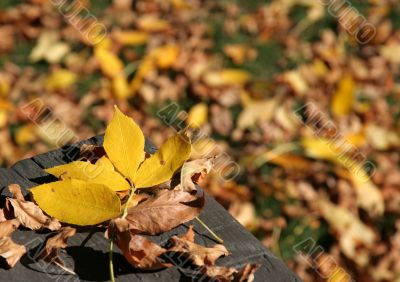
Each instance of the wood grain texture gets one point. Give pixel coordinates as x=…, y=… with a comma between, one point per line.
x=90, y=261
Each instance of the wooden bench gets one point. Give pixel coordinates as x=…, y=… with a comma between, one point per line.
x=87, y=253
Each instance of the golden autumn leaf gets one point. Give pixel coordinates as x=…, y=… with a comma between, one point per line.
x=77, y=202
x=153, y=24
x=343, y=98
x=131, y=38
x=110, y=64
x=198, y=115
x=91, y=173
x=120, y=87
x=105, y=163
x=49, y=48
x=124, y=144
x=162, y=165
x=226, y=77
x=60, y=79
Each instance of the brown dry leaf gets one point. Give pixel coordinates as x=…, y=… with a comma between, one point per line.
x=166, y=210
x=193, y=171
x=11, y=251
x=53, y=244
x=29, y=214
x=355, y=238
x=225, y=274
x=139, y=251
x=199, y=255
x=8, y=227
x=2, y=216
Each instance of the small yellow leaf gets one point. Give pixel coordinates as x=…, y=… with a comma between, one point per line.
x=121, y=87
x=226, y=77
x=60, y=79
x=152, y=24
x=146, y=67
x=132, y=38
x=166, y=55
x=124, y=144
x=77, y=202
x=110, y=64
x=163, y=164
x=91, y=173
x=197, y=115
x=343, y=98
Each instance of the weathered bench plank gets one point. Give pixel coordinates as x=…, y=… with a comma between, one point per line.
x=90, y=261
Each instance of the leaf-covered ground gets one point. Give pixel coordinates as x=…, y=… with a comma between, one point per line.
x=284, y=88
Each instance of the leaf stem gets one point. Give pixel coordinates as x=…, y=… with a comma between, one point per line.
x=216, y=237
x=112, y=278
x=132, y=192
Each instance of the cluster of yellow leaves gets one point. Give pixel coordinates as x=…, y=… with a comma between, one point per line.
x=86, y=192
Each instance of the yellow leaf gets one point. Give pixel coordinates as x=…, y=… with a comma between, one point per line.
x=105, y=162
x=91, y=173
x=342, y=100
x=226, y=77
x=166, y=55
x=77, y=202
x=25, y=135
x=60, y=79
x=162, y=165
x=124, y=144
x=4, y=87
x=197, y=115
x=152, y=24
x=121, y=87
x=132, y=38
x=110, y=64
x=145, y=68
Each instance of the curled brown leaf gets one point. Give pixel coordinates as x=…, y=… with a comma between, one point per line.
x=8, y=227
x=227, y=274
x=11, y=251
x=2, y=216
x=193, y=171
x=53, y=244
x=164, y=211
x=139, y=251
x=198, y=254
x=29, y=214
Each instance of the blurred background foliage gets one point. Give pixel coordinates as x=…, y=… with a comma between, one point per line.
x=241, y=70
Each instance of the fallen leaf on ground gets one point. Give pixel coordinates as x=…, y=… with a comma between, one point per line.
x=166, y=210
x=226, y=274
x=11, y=251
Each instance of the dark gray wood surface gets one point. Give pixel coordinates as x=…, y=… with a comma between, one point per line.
x=87, y=253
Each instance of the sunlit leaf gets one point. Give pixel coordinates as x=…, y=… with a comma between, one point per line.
x=77, y=202
x=124, y=144
x=91, y=173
